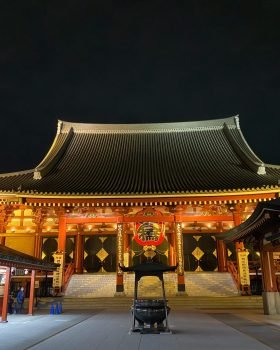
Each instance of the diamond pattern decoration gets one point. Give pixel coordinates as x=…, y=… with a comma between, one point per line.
x=198, y=253
x=102, y=254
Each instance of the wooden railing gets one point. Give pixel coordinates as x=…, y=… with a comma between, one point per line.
x=69, y=270
x=232, y=269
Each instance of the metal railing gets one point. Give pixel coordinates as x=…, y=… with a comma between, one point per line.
x=69, y=270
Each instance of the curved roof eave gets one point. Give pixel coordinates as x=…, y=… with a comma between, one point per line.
x=243, y=230
x=220, y=193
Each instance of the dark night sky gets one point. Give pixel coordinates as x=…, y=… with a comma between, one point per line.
x=136, y=61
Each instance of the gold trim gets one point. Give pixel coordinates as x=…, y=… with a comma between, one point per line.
x=214, y=193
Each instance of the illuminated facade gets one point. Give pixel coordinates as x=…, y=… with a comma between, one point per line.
x=121, y=193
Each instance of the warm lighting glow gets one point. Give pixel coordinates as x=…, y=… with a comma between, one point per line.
x=48, y=228
x=89, y=227
x=13, y=229
x=209, y=225
x=258, y=253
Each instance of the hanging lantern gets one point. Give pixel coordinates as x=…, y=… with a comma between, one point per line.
x=149, y=233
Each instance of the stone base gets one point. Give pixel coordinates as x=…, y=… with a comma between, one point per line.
x=181, y=293
x=181, y=288
x=271, y=303
x=119, y=288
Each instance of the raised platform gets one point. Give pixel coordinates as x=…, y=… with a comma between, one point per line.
x=176, y=303
x=209, y=284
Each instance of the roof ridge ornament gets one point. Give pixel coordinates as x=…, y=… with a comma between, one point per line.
x=59, y=126
x=261, y=169
x=37, y=175
x=236, y=119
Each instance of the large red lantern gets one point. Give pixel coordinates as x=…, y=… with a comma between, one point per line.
x=149, y=233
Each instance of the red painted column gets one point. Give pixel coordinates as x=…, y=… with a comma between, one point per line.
x=62, y=243
x=32, y=293
x=6, y=295
x=237, y=217
x=222, y=256
x=268, y=271
x=79, y=254
x=62, y=234
x=39, y=247
x=2, y=240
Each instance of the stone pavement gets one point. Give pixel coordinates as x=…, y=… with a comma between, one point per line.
x=109, y=330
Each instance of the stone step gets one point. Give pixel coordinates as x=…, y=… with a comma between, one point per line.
x=197, y=284
x=178, y=303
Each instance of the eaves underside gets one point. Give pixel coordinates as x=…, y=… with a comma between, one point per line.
x=202, y=194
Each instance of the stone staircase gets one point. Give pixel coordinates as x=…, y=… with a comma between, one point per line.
x=181, y=303
x=91, y=285
x=213, y=284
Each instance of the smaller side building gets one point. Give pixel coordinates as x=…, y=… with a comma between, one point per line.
x=262, y=230
x=10, y=258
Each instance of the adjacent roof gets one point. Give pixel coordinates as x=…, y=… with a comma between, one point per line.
x=14, y=258
x=263, y=223
x=129, y=159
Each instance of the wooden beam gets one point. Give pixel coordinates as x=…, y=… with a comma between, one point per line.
x=203, y=218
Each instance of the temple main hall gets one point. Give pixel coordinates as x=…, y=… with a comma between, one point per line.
x=107, y=195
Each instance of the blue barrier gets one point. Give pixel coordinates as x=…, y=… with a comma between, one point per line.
x=52, y=309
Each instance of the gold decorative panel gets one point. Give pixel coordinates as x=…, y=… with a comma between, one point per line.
x=198, y=253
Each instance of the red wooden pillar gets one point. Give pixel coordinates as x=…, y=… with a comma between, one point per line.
x=6, y=295
x=222, y=256
x=221, y=251
x=171, y=241
x=2, y=240
x=32, y=293
x=79, y=254
x=62, y=243
x=271, y=298
x=268, y=271
x=38, y=246
x=62, y=234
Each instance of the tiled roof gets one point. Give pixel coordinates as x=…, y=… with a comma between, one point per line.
x=14, y=258
x=114, y=159
x=264, y=219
